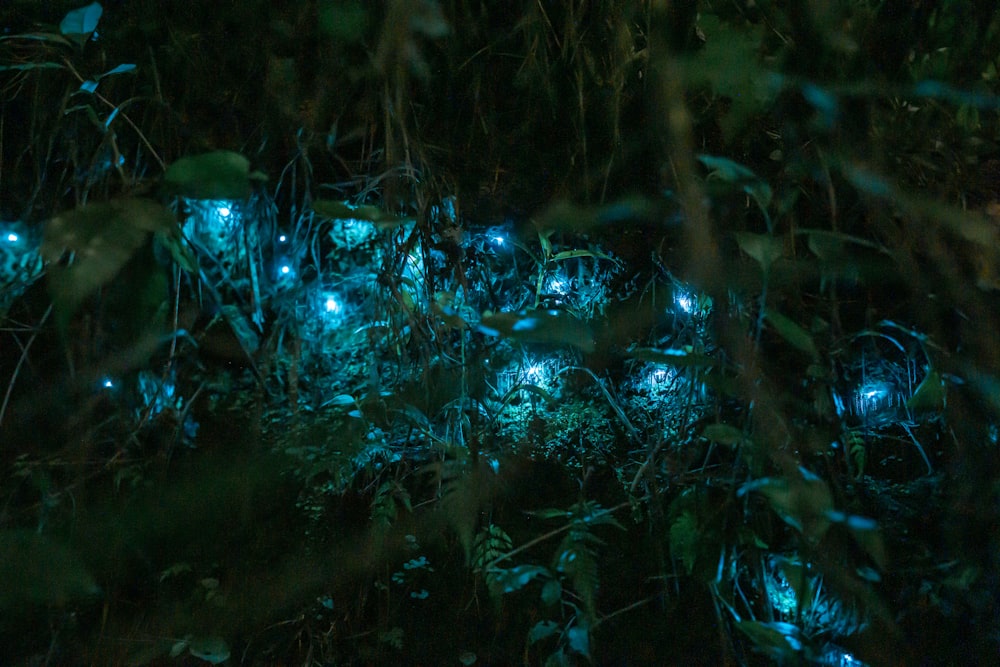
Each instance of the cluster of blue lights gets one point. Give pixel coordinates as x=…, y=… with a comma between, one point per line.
x=533, y=372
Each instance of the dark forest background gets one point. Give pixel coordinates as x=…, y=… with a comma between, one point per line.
x=556, y=332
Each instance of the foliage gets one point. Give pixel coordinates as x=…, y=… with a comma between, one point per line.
x=357, y=315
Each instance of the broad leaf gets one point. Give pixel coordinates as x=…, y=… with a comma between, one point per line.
x=342, y=210
x=778, y=640
x=79, y=24
x=213, y=650
x=542, y=630
x=792, y=332
x=37, y=571
x=679, y=357
x=102, y=237
x=724, y=434
x=762, y=247
x=551, y=327
x=803, y=502
x=930, y=394
x=578, y=640
x=736, y=174
x=684, y=540
x=215, y=175
x=508, y=581
x=551, y=592
x=566, y=216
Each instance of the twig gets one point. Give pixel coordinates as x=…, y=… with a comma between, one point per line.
x=20, y=362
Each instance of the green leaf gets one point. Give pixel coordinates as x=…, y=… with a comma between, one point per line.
x=124, y=68
x=792, y=332
x=565, y=216
x=684, y=540
x=552, y=327
x=804, y=503
x=173, y=241
x=213, y=650
x=549, y=513
x=736, y=174
x=730, y=62
x=929, y=395
x=178, y=648
x=762, y=247
x=542, y=630
x=679, y=357
x=37, y=37
x=778, y=640
x=514, y=579
x=558, y=658
x=38, y=571
x=578, y=640
x=342, y=210
x=29, y=66
x=79, y=24
x=869, y=537
x=827, y=244
x=215, y=175
x=342, y=400
x=241, y=328
x=103, y=237
x=724, y=434
x=573, y=254
x=551, y=592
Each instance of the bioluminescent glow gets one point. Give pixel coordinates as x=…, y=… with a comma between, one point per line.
x=107, y=383
x=12, y=237
x=557, y=285
x=536, y=373
x=659, y=378
x=285, y=271
x=499, y=240
x=782, y=595
x=282, y=239
x=685, y=302
x=872, y=397
x=690, y=302
x=217, y=224
x=331, y=305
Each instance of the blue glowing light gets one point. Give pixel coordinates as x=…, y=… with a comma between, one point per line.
x=282, y=239
x=685, y=302
x=285, y=270
x=108, y=384
x=558, y=286
x=873, y=397
x=12, y=237
x=659, y=378
x=224, y=211
x=499, y=240
x=535, y=373
x=331, y=305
